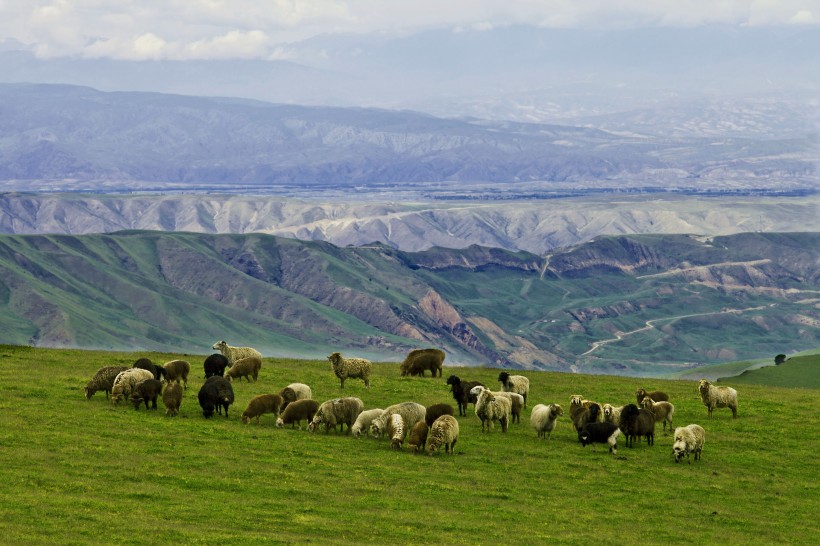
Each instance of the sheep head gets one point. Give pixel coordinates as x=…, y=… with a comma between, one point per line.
x=335, y=358
x=219, y=345
x=575, y=400
x=375, y=429
x=647, y=403
x=556, y=410
x=504, y=377
x=703, y=386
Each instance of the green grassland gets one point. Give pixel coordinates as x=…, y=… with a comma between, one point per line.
x=78, y=471
x=798, y=371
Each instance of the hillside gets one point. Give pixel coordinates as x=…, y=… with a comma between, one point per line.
x=796, y=372
x=637, y=305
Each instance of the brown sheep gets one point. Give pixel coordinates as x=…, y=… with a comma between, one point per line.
x=418, y=437
x=435, y=411
x=260, y=405
x=146, y=391
x=244, y=367
x=420, y=360
x=172, y=398
x=657, y=396
x=177, y=370
x=296, y=411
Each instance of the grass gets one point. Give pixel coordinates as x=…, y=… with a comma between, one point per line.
x=798, y=371
x=78, y=471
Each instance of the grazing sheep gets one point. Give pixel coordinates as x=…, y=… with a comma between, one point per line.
x=339, y=411
x=260, y=405
x=364, y=420
x=216, y=393
x=542, y=419
x=599, y=433
x=612, y=414
x=657, y=396
x=636, y=423
x=125, y=382
x=411, y=412
x=443, y=432
x=235, y=353
x=146, y=364
x=515, y=383
x=146, y=391
x=435, y=411
x=215, y=364
x=177, y=370
x=418, y=437
x=717, y=397
x=354, y=368
x=396, y=430
x=103, y=380
x=516, y=404
x=688, y=439
x=489, y=408
x=244, y=367
x=461, y=392
x=294, y=392
x=296, y=411
x=663, y=411
x=419, y=360
x=583, y=411
x=172, y=398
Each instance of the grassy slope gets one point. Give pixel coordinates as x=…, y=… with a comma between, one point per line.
x=798, y=371
x=78, y=471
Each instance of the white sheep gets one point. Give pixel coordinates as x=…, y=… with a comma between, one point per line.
x=663, y=411
x=717, y=397
x=688, y=439
x=443, y=432
x=125, y=382
x=339, y=411
x=542, y=419
x=354, y=368
x=235, y=353
x=411, y=412
x=364, y=420
x=612, y=414
x=515, y=383
x=489, y=408
x=396, y=430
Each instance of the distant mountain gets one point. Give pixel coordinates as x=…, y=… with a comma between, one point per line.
x=643, y=304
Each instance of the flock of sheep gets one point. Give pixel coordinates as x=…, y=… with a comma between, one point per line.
x=422, y=428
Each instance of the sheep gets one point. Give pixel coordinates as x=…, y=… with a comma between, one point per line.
x=364, y=420
x=339, y=411
x=583, y=411
x=435, y=411
x=636, y=423
x=146, y=364
x=688, y=439
x=244, y=367
x=145, y=391
x=215, y=364
x=411, y=412
x=489, y=408
x=461, y=392
x=296, y=411
x=396, y=430
x=717, y=397
x=663, y=411
x=418, y=437
x=657, y=396
x=593, y=433
x=517, y=404
x=216, y=393
x=172, y=398
x=444, y=431
x=294, y=392
x=515, y=383
x=354, y=368
x=103, y=380
x=260, y=405
x=235, y=353
x=176, y=370
x=419, y=360
x=612, y=414
x=542, y=419
x=125, y=382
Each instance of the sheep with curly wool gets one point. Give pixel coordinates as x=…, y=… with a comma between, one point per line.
x=396, y=430
x=103, y=380
x=215, y=364
x=461, y=392
x=612, y=414
x=543, y=419
x=146, y=391
x=688, y=439
x=490, y=408
x=515, y=383
x=294, y=392
x=364, y=420
x=261, y=404
x=657, y=396
x=235, y=353
x=177, y=370
x=339, y=411
x=244, y=367
x=635, y=423
x=418, y=437
x=125, y=382
x=353, y=368
x=172, y=398
x=599, y=433
x=146, y=364
x=215, y=394
x=583, y=411
x=418, y=361
x=297, y=411
x=443, y=432
x=717, y=397
x=663, y=411
x=411, y=412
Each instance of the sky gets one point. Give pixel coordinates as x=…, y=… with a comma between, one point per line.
x=263, y=29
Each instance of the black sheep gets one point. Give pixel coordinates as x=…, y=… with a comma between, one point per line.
x=461, y=392
x=636, y=423
x=144, y=391
x=215, y=365
x=600, y=433
x=146, y=364
x=216, y=393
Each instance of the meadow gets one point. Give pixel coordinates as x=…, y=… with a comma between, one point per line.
x=79, y=471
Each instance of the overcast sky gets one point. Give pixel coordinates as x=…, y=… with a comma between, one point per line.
x=262, y=29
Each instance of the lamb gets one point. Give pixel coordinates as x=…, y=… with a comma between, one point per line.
x=599, y=433
x=515, y=383
x=444, y=431
x=419, y=360
x=145, y=391
x=244, y=367
x=294, y=392
x=215, y=364
x=364, y=420
x=103, y=380
x=177, y=370
x=260, y=405
x=418, y=437
x=657, y=396
x=146, y=364
x=583, y=411
x=216, y=393
x=491, y=408
x=663, y=411
x=396, y=430
x=172, y=398
x=517, y=404
x=717, y=397
x=235, y=353
x=125, y=382
x=296, y=411
x=461, y=392
x=411, y=412
x=612, y=414
x=354, y=368
x=636, y=423
x=543, y=418
x=435, y=411
x=339, y=411
x=688, y=439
